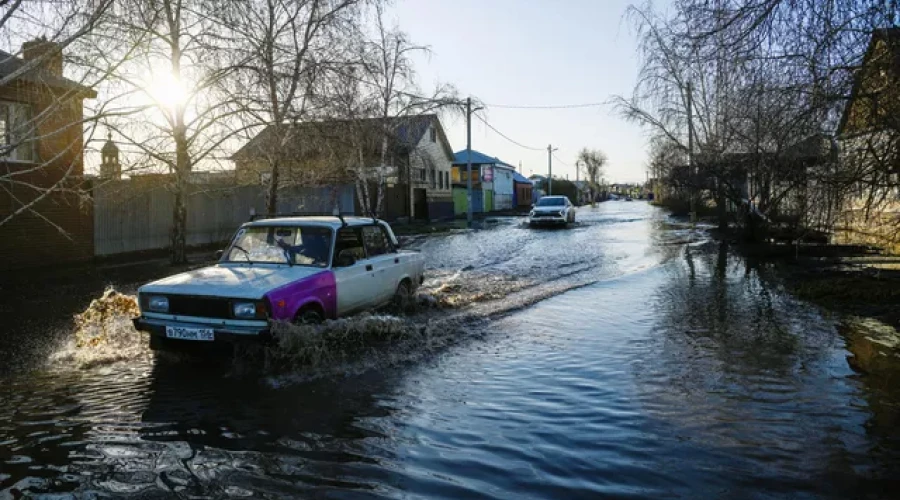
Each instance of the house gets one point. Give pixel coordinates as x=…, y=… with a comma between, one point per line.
x=490, y=178
x=41, y=166
x=415, y=177
x=504, y=186
x=523, y=194
x=869, y=143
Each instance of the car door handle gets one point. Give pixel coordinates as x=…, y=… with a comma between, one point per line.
x=368, y=267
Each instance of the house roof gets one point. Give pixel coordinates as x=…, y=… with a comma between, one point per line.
x=10, y=64
x=406, y=132
x=891, y=36
x=478, y=158
x=517, y=177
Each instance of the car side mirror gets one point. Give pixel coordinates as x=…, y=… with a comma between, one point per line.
x=219, y=254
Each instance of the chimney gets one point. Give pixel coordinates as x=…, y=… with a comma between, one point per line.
x=49, y=52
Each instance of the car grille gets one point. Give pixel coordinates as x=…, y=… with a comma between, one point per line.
x=201, y=307
x=546, y=214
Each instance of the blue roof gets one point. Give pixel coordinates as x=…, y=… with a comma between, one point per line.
x=517, y=177
x=478, y=158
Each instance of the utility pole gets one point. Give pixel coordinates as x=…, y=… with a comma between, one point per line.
x=469, y=112
x=469, y=161
x=690, y=113
x=550, y=150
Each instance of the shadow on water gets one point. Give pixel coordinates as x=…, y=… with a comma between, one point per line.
x=746, y=369
x=213, y=438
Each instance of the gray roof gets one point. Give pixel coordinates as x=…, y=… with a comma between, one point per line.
x=406, y=132
x=10, y=64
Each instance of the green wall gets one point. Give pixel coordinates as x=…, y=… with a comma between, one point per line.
x=460, y=201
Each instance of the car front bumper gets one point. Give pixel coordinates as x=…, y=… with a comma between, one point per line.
x=555, y=220
x=223, y=333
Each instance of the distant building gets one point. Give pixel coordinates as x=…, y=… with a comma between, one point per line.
x=492, y=183
x=332, y=152
x=110, y=168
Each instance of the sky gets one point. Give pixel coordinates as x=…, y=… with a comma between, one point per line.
x=534, y=53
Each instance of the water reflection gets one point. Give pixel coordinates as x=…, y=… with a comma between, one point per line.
x=671, y=367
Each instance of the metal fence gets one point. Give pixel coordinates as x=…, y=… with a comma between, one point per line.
x=132, y=216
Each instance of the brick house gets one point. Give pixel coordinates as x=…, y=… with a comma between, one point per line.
x=41, y=158
x=327, y=153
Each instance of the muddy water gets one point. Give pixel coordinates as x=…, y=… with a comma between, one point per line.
x=625, y=356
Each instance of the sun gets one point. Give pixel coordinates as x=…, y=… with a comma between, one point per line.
x=168, y=91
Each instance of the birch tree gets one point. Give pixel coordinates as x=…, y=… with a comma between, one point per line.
x=180, y=113
x=280, y=51
x=388, y=71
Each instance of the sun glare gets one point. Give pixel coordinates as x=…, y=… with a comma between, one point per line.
x=166, y=90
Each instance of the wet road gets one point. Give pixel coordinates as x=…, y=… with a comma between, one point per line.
x=625, y=356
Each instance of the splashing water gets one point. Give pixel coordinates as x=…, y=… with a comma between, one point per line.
x=104, y=334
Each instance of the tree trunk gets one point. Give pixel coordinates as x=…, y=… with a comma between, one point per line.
x=272, y=191
x=179, y=212
x=179, y=226
x=721, y=205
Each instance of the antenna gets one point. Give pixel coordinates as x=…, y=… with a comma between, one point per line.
x=337, y=213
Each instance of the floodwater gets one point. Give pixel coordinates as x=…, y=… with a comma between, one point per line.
x=626, y=356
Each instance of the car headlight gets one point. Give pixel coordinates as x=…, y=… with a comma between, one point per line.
x=248, y=310
x=158, y=303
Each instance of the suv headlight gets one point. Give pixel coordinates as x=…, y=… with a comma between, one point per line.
x=248, y=310
x=158, y=303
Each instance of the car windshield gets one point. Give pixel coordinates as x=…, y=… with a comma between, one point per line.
x=300, y=245
x=551, y=202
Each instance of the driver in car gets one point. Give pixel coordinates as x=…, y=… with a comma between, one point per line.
x=314, y=249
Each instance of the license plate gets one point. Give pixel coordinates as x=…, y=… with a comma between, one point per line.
x=177, y=332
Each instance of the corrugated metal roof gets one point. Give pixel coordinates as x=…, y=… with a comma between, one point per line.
x=478, y=158
x=517, y=177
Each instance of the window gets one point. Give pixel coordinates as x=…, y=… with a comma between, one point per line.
x=422, y=174
x=16, y=134
x=441, y=180
x=433, y=178
x=433, y=135
x=447, y=179
x=298, y=245
x=376, y=241
x=348, y=244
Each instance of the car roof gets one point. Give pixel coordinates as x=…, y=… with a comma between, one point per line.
x=322, y=221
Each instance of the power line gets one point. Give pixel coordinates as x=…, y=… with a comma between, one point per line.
x=549, y=106
x=501, y=134
x=562, y=162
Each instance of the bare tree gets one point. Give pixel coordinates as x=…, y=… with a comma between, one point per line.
x=280, y=51
x=388, y=71
x=179, y=115
x=594, y=160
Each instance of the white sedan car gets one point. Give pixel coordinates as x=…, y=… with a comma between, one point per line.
x=552, y=210
x=298, y=269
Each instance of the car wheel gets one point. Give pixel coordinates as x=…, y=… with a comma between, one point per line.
x=309, y=316
x=403, y=297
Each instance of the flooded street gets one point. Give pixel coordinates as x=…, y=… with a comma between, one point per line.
x=625, y=356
